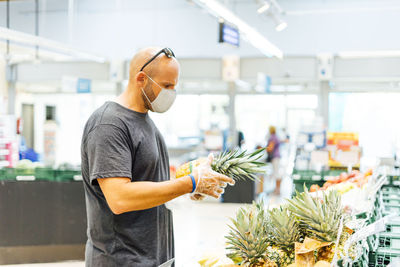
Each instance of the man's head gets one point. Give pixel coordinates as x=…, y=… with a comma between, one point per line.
x=272, y=130
x=162, y=72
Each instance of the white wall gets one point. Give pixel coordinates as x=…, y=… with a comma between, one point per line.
x=72, y=112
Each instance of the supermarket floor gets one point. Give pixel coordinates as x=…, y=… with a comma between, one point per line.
x=200, y=228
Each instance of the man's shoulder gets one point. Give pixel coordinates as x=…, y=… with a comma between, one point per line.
x=105, y=115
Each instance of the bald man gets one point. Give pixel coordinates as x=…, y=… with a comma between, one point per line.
x=125, y=169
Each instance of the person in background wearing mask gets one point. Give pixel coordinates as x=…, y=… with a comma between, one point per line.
x=274, y=157
x=125, y=169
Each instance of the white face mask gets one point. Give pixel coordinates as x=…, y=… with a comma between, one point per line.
x=163, y=101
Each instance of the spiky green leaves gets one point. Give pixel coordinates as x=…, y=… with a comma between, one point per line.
x=239, y=165
x=319, y=217
x=284, y=228
x=247, y=237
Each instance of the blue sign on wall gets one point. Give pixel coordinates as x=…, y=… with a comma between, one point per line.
x=228, y=34
x=84, y=85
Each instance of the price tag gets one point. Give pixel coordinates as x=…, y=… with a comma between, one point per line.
x=78, y=178
x=25, y=178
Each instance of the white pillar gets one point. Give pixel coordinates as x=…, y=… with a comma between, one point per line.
x=3, y=86
x=323, y=101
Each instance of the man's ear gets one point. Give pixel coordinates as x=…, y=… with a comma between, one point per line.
x=141, y=79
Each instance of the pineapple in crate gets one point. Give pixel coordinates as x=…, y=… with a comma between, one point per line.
x=235, y=164
x=248, y=240
x=284, y=230
x=320, y=219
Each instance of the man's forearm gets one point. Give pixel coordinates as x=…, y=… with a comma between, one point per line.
x=144, y=195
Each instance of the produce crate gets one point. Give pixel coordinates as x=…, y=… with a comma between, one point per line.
x=363, y=261
x=391, y=209
x=382, y=257
x=68, y=175
x=393, y=226
x=27, y=174
x=46, y=174
x=390, y=190
x=373, y=242
x=333, y=172
x=12, y=173
x=307, y=175
x=298, y=185
x=394, y=179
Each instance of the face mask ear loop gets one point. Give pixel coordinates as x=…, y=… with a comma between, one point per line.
x=146, y=96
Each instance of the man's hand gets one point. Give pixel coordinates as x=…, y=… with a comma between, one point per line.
x=209, y=182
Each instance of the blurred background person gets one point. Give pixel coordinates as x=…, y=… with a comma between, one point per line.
x=274, y=157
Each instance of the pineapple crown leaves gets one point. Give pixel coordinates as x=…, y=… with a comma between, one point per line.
x=318, y=217
x=247, y=238
x=284, y=230
x=239, y=165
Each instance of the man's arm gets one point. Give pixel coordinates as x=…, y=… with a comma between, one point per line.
x=122, y=195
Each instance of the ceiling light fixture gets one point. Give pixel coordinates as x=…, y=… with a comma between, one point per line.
x=280, y=24
x=249, y=33
x=32, y=40
x=369, y=54
x=264, y=8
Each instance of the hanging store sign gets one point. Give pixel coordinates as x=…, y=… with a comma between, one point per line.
x=75, y=85
x=228, y=34
x=84, y=85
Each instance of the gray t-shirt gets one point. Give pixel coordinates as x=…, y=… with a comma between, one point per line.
x=119, y=142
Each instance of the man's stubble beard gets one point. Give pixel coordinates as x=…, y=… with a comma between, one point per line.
x=146, y=102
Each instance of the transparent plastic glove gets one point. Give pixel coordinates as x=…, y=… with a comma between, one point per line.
x=199, y=197
x=209, y=182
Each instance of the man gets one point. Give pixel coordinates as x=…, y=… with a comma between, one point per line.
x=126, y=170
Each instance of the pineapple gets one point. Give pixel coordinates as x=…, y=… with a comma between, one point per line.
x=284, y=231
x=248, y=240
x=234, y=164
x=320, y=219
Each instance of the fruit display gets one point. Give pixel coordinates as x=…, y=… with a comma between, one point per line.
x=235, y=164
x=344, y=182
x=306, y=230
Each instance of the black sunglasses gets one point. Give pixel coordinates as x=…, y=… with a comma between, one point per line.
x=167, y=51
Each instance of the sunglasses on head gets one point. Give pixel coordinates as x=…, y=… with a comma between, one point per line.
x=167, y=51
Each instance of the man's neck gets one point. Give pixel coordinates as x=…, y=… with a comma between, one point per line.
x=132, y=99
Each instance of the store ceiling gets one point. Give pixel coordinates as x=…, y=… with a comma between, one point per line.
x=118, y=28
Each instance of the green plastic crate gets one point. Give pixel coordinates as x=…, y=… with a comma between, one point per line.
x=390, y=190
x=306, y=175
x=373, y=242
x=393, y=228
x=45, y=174
x=13, y=174
x=391, y=209
x=68, y=175
x=333, y=172
x=382, y=257
x=298, y=185
x=389, y=240
x=363, y=261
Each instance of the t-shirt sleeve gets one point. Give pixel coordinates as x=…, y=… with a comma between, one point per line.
x=108, y=152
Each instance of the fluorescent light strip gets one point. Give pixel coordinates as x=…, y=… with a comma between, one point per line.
x=29, y=39
x=264, y=8
x=250, y=34
x=369, y=54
